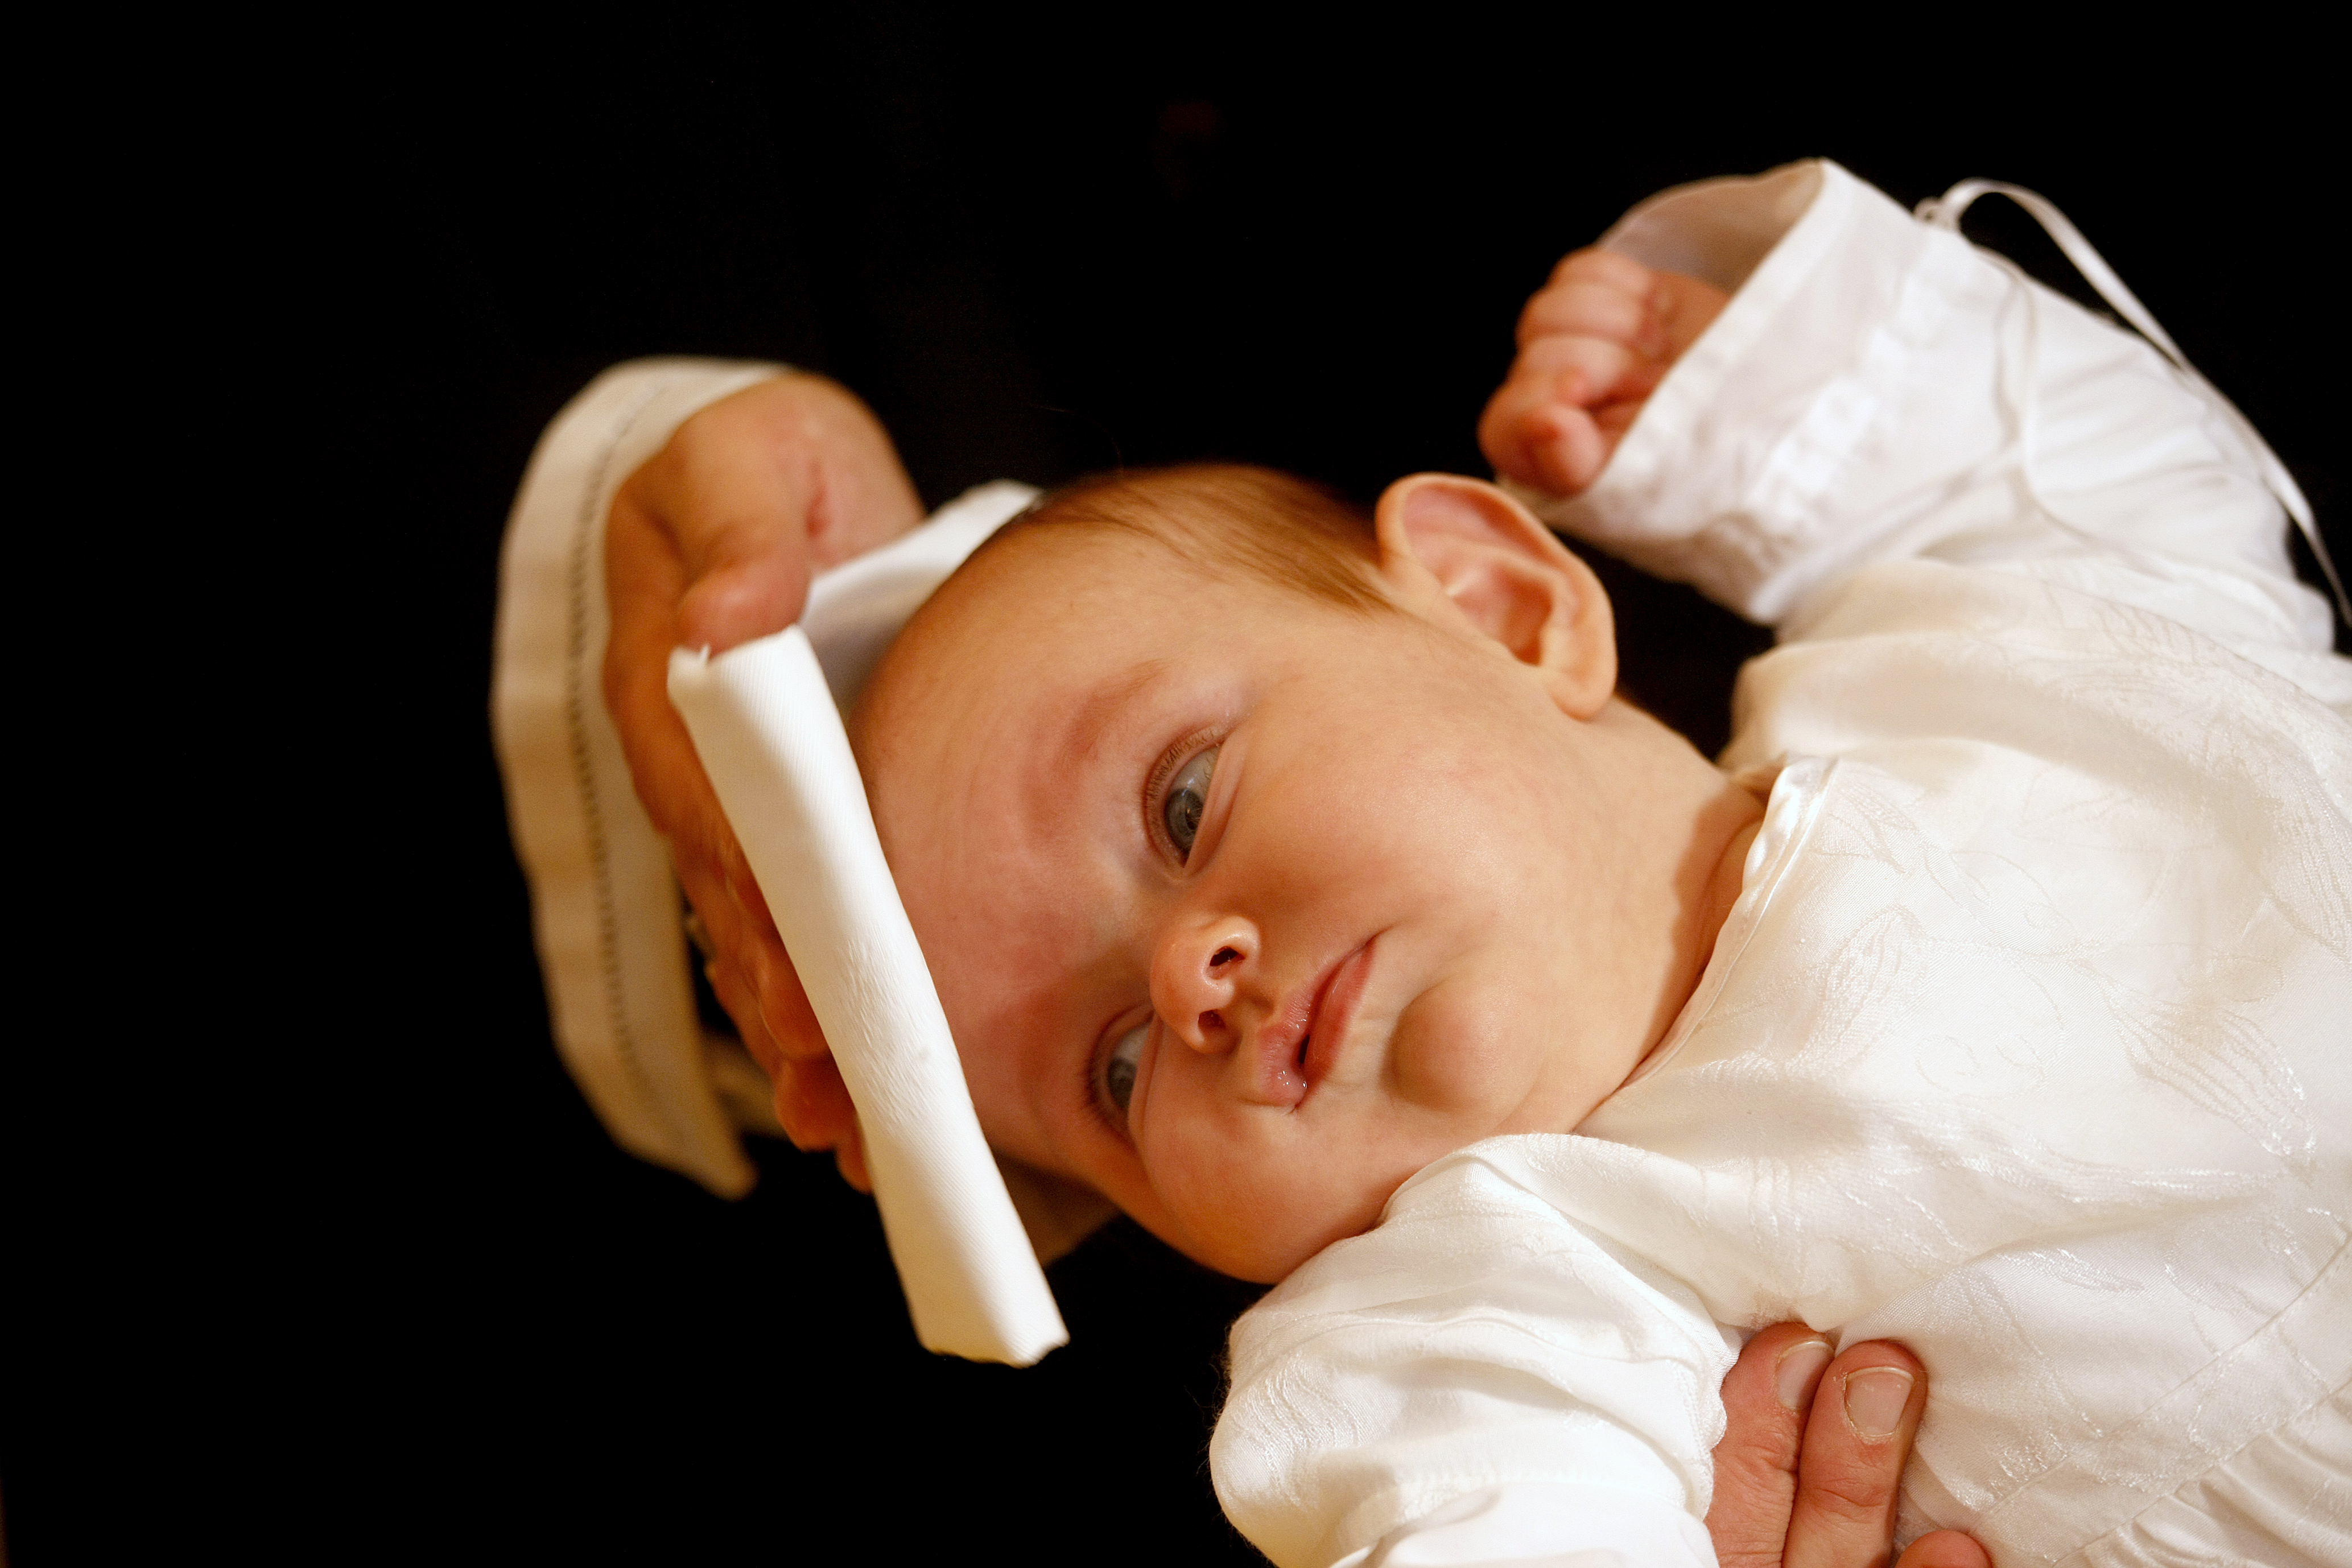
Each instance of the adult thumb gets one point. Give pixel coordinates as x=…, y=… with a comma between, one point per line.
x=741, y=518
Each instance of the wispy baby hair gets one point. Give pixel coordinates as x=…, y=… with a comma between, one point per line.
x=1275, y=527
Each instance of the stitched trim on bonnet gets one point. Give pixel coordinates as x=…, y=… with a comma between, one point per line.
x=585, y=536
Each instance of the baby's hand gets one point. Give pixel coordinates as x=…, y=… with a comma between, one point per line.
x=1594, y=342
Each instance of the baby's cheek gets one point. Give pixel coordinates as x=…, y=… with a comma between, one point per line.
x=1250, y=1210
x=1463, y=1054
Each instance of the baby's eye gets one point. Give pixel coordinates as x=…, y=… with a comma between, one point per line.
x=1119, y=1069
x=1188, y=796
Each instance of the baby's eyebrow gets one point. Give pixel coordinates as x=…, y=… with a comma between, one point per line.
x=1100, y=708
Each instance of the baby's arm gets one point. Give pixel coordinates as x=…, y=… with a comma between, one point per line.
x=1480, y=1381
x=1593, y=344
x=1878, y=390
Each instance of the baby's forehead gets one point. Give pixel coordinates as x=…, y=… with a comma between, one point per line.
x=1049, y=606
x=1096, y=578
x=1207, y=523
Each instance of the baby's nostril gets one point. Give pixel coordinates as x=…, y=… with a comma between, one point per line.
x=1211, y=1023
x=1224, y=955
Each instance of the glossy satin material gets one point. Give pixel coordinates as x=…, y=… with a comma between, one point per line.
x=2027, y=1041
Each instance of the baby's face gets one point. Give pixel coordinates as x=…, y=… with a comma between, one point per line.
x=1242, y=907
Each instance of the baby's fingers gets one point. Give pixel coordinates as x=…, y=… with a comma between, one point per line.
x=1594, y=311
x=1555, y=424
x=1534, y=435
x=1602, y=269
x=1598, y=293
x=1604, y=372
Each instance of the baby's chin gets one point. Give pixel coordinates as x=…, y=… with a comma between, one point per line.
x=1247, y=1247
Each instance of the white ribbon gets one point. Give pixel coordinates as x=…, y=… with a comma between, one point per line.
x=1945, y=212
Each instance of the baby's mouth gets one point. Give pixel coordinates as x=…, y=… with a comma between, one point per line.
x=1334, y=1013
x=1302, y=1043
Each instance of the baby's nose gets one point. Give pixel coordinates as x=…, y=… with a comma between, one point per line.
x=1195, y=977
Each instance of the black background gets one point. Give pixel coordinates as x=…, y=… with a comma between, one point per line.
x=1036, y=250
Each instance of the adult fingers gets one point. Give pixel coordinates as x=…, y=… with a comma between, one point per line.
x=732, y=490
x=1765, y=1399
x=711, y=542
x=1945, y=1549
x=815, y=1108
x=765, y=487
x=765, y=989
x=849, y=1158
x=863, y=497
x=1857, y=1435
x=742, y=1005
x=812, y=1102
x=784, y=1008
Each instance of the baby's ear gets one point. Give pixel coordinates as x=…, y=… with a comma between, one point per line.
x=1449, y=540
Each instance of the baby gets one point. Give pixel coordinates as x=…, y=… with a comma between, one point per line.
x=1298, y=881
x=1262, y=862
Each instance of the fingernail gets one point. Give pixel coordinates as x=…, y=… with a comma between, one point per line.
x=1874, y=1399
x=1795, y=1371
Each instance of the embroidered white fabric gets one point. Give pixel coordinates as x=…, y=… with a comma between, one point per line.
x=2025, y=1043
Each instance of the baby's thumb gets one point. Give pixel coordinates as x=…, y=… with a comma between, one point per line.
x=1531, y=433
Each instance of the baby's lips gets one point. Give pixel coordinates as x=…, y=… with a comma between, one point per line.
x=1278, y=1076
x=1334, y=1017
x=1274, y=1063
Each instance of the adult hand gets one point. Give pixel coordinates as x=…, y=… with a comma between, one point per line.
x=1594, y=342
x=710, y=545
x=1808, y=1474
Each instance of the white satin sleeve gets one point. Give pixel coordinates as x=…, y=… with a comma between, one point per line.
x=1475, y=1381
x=1879, y=390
